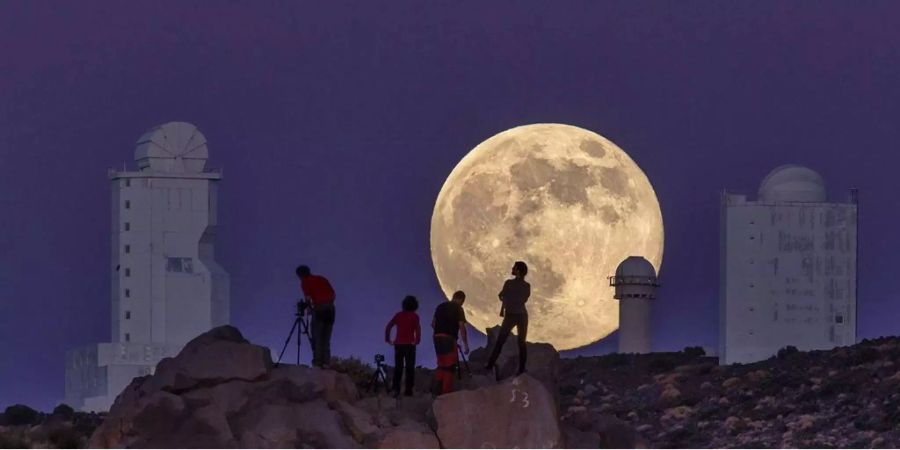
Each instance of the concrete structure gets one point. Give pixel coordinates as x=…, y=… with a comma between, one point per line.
x=166, y=284
x=788, y=268
x=635, y=282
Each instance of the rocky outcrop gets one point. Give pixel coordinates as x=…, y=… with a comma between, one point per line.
x=519, y=412
x=221, y=391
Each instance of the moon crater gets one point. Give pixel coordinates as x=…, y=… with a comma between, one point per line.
x=567, y=201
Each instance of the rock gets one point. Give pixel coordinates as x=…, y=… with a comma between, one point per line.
x=731, y=382
x=706, y=386
x=543, y=360
x=804, y=422
x=615, y=433
x=678, y=413
x=670, y=394
x=293, y=425
x=758, y=375
x=222, y=391
x=332, y=385
x=575, y=438
x=417, y=436
x=358, y=422
x=733, y=424
x=519, y=412
x=219, y=355
x=141, y=424
x=590, y=389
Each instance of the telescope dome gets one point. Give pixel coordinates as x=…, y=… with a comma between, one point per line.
x=174, y=147
x=635, y=266
x=792, y=183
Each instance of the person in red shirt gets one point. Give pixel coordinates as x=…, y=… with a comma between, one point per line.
x=409, y=333
x=317, y=291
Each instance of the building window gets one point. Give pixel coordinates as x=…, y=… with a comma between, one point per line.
x=127, y=315
x=839, y=319
x=127, y=204
x=127, y=249
x=127, y=337
x=127, y=226
x=127, y=182
x=180, y=265
x=127, y=293
x=127, y=271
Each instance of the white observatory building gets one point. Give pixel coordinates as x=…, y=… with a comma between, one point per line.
x=167, y=287
x=635, y=285
x=787, y=269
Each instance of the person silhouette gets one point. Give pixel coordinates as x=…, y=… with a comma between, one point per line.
x=513, y=296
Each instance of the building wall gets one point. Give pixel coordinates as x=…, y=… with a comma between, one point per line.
x=788, y=277
x=166, y=286
x=634, y=325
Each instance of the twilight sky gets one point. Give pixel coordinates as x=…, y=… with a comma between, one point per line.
x=336, y=124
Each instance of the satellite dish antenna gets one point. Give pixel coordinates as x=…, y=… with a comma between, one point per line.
x=174, y=147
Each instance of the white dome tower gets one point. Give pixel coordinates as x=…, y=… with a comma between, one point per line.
x=635, y=282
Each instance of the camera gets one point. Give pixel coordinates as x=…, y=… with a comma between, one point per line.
x=302, y=306
x=379, y=359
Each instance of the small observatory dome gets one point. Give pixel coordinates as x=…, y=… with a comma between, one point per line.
x=174, y=147
x=635, y=278
x=791, y=183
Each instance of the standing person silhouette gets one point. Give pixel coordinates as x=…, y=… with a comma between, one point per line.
x=514, y=295
x=317, y=291
x=409, y=333
x=449, y=324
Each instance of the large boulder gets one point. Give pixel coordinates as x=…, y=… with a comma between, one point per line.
x=222, y=391
x=219, y=355
x=518, y=412
x=543, y=360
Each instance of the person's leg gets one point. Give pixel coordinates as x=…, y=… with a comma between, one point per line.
x=398, y=368
x=522, y=329
x=410, y=362
x=315, y=331
x=327, y=327
x=505, y=328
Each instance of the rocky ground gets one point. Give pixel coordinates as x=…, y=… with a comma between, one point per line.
x=846, y=397
x=223, y=391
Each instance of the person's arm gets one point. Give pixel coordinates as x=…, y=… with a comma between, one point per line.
x=387, y=330
x=464, y=336
x=501, y=296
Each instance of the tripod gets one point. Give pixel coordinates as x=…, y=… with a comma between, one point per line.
x=462, y=357
x=378, y=376
x=301, y=321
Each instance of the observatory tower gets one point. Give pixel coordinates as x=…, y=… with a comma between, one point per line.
x=166, y=284
x=635, y=282
x=788, y=268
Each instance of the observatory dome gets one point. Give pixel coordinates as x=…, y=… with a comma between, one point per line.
x=791, y=183
x=635, y=266
x=174, y=147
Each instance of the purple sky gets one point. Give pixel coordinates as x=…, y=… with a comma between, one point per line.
x=336, y=127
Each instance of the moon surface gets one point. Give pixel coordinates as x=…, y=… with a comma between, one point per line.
x=565, y=200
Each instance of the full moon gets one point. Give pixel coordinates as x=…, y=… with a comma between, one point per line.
x=565, y=200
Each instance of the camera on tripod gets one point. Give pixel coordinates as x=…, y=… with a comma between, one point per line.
x=379, y=359
x=302, y=307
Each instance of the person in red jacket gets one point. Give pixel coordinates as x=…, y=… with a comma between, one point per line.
x=409, y=333
x=317, y=291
